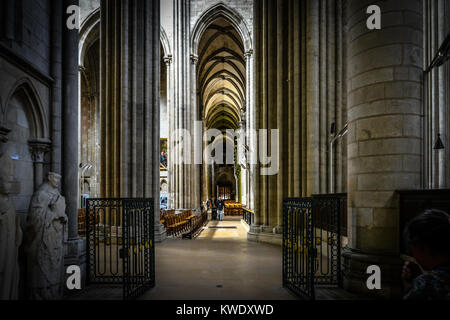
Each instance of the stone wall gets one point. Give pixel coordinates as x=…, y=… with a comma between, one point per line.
x=87, y=7
x=39, y=103
x=25, y=91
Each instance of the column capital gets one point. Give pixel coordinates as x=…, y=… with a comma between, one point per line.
x=38, y=148
x=243, y=117
x=248, y=54
x=168, y=60
x=194, y=59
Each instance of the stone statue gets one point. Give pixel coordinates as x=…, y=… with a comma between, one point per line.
x=10, y=232
x=45, y=241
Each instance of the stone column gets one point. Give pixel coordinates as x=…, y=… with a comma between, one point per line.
x=195, y=168
x=170, y=113
x=66, y=136
x=38, y=149
x=384, y=140
x=70, y=125
x=250, y=125
x=205, y=174
x=312, y=97
x=129, y=101
x=182, y=99
x=56, y=92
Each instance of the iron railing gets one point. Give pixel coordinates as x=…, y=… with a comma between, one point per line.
x=120, y=244
x=248, y=216
x=312, y=232
x=196, y=225
x=298, y=256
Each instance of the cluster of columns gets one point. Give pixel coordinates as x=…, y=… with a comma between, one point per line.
x=317, y=64
x=129, y=101
x=436, y=164
x=184, y=178
x=299, y=90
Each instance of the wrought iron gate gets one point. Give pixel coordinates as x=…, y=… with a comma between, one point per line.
x=120, y=244
x=298, y=249
x=312, y=230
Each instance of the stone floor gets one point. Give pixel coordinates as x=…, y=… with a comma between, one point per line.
x=219, y=265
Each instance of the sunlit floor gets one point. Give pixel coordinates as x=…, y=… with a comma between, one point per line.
x=219, y=264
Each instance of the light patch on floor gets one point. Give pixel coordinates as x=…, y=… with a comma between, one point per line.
x=219, y=265
x=235, y=234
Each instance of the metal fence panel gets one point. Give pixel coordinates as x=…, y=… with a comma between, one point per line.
x=120, y=244
x=312, y=231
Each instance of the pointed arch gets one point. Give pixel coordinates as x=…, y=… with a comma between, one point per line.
x=217, y=11
x=89, y=34
x=165, y=42
x=34, y=110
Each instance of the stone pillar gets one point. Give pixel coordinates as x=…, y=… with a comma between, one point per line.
x=66, y=136
x=312, y=97
x=129, y=101
x=436, y=163
x=56, y=92
x=182, y=98
x=38, y=149
x=267, y=115
x=384, y=107
x=250, y=126
x=195, y=168
x=205, y=174
x=170, y=113
x=70, y=125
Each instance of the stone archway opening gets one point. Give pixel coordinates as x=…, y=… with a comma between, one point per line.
x=221, y=83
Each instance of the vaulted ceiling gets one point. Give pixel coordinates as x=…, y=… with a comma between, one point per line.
x=221, y=75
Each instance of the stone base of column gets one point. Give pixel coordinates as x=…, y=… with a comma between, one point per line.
x=75, y=254
x=355, y=265
x=278, y=230
x=160, y=233
x=264, y=234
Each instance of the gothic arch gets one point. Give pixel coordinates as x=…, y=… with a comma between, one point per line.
x=165, y=42
x=34, y=110
x=208, y=17
x=89, y=34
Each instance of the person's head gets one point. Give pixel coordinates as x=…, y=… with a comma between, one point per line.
x=54, y=179
x=427, y=237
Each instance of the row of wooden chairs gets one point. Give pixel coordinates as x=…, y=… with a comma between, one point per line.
x=233, y=208
x=197, y=224
x=177, y=224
